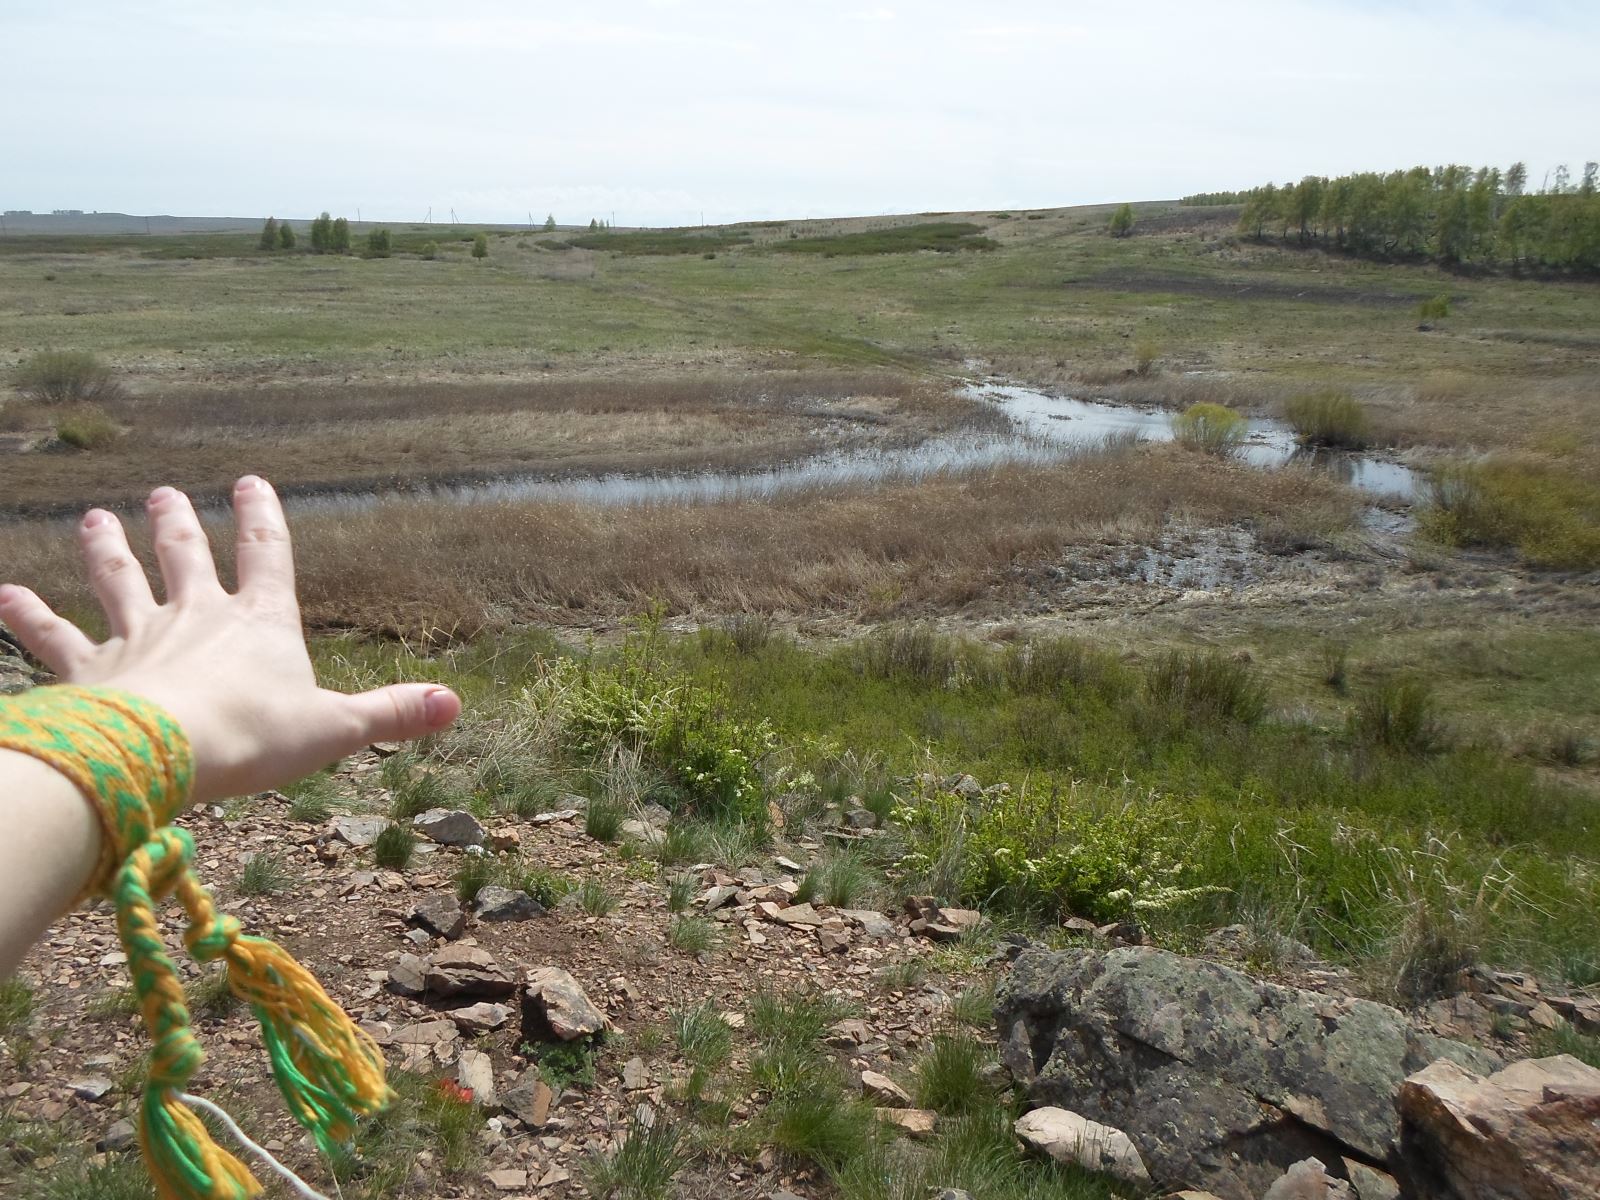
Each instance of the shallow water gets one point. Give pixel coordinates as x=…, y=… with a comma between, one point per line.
x=1044, y=429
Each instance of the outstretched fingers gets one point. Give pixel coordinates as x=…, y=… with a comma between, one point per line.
x=265, y=557
x=54, y=641
x=181, y=546
x=118, y=579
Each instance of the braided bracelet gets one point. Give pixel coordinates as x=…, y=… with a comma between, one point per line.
x=134, y=765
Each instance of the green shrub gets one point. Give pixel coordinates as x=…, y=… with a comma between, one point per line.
x=912, y=652
x=1435, y=308
x=1210, y=428
x=1549, y=516
x=394, y=847
x=430, y=250
x=1206, y=686
x=1121, y=223
x=564, y=1064
x=286, y=236
x=681, y=726
x=1401, y=715
x=65, y=377
x=1329, y=418
x=378, y=244
x=1146, y=350
x=87, y=428
x=480, y=246
x=1062, y=666
x=1050, y=853
x=544, y=885
x=1564, y=1039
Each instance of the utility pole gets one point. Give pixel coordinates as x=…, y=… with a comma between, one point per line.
x=428, y=220
x=453, y=220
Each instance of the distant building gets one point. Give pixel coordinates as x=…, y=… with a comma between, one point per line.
x=66, y=212
x=19, y=212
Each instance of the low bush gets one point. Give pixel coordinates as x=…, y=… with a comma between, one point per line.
x=1550, y=516
x=1400, y=715
x=1206, y=686
x=65, y=377
x=1329, y=418
x=1210, y=428
x=1435, y=308
x=1146, y=353
x=87, y=429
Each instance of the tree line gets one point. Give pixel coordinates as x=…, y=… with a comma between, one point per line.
x=1454, y=215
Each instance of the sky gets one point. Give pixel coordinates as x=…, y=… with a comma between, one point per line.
x=655, y=112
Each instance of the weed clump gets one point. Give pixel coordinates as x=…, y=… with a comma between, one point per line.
x=1400, y=715
x=841, y=880
x=87, y=428
x=1549, y=516
x=1210, y=429
x=1329, y=418
x=1206, y=686
x=393, y=848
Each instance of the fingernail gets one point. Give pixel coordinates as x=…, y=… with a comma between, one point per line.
x=95, y=518
x=160, y=496
x=438, y=705
x=250, y=483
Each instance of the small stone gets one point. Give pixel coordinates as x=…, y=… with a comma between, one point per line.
x=91, y=1087
x=475, y=1072
x=715, y=897
x=860, y=818
x=798, y=914
x=529, y=1100
x=884, y=1091
x=437, y=1032
x=560, y=814
x=849, y=1033
x=1075, y=1140
x=636, y=830
x=915, y=1123
x=450, y=827
x=495, y=903
x=481, y=1017
x=1308, y=1179
x=409, y=976
x=788, y=864
x=634, y=1076
x=554, y=1176
x=507, y=1179
x=359, y=831
x=553, y=1005
x=833, y=941
x=440, y=915
x=1370, y=1183
x=873, y=924
x=120, y=1136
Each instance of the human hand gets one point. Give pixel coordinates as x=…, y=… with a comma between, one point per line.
x=232, y=668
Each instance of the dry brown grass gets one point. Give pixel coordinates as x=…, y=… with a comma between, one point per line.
x=416, y=567
x=323, y=436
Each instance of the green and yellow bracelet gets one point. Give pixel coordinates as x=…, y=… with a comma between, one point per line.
x=134, y=765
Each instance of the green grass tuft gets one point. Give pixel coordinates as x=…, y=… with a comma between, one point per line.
x=264, y=875
x=693, y=935
x=394, y=847
x=16, y=1006
x=642, y=1167
x=1210, y=429
x=603, y=817
x=949, y=1078
x=1329, y=418
x=593, y=898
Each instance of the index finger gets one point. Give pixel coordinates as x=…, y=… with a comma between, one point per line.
x=265, y=558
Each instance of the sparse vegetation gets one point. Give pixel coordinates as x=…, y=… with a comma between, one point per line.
x=680, y=893
x=842, y=879
x=603, y=817
x=693, y=935
x=945, y=237
x=594, y=900
x=1550, y=516
x=642, y=1167
x=16, y=1005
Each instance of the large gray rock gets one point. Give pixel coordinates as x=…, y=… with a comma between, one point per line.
x=1221, y=1081
x=555, y=1008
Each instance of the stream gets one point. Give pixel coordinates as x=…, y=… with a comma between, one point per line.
x=1044, y=429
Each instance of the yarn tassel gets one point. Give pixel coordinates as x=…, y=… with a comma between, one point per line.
x=184, y=1163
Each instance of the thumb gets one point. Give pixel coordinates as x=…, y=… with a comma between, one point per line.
x=402, y=711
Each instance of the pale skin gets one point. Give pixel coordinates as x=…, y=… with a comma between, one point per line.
x=232, y=667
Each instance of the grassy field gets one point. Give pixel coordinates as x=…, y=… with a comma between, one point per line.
x=1377, y=739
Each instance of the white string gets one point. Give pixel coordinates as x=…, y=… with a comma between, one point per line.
x=301, y=1188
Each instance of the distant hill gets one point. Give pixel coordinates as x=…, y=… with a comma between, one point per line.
x=108, y=222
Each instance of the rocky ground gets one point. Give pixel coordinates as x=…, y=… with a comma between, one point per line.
x=444, y=988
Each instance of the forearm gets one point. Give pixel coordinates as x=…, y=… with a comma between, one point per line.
x=50, y=849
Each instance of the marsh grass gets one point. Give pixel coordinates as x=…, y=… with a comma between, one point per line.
x=1329, y=417
x=1206, y=686
x=1549, y=514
